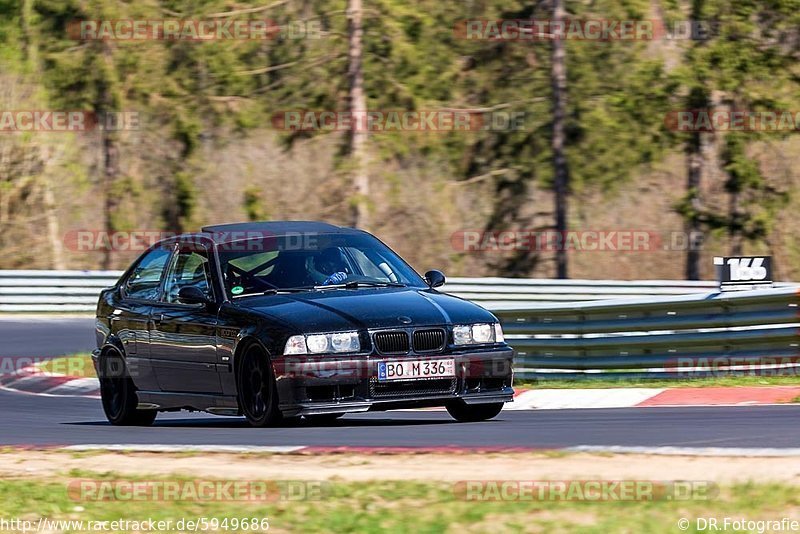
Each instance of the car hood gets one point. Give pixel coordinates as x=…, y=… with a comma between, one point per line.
x=368, y=308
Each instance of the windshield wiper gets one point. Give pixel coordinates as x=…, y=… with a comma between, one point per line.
x=346, y=285
x=356, y=285
x=275, y=291
x=288, y=290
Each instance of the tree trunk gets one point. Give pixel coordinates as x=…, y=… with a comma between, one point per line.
x=734, y=228
x=29, y=47
x=694, y=160
x=110, y=174
x=109, y=102
x=358, y=134
x=53, y=228
x=50, y=206
x=561, y=169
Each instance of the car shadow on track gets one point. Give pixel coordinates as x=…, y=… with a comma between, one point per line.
x=242, y=423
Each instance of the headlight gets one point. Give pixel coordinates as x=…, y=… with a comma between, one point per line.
x=296, y=345
x=462, y=334
x=345, y=342
x=318, y=343
x=483, y=333
x=322, y=343
x=477, y=334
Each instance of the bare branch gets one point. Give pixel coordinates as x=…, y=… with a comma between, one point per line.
x=264, y=70
x=479, y=178
x=247, y=11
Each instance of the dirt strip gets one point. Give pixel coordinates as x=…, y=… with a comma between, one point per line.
x=428, y=467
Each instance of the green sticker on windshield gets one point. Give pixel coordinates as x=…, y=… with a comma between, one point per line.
x=237, y=290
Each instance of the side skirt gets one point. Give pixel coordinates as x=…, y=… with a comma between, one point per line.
x=215, y=404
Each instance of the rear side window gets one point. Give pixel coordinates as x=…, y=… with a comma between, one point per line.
x=145, y=279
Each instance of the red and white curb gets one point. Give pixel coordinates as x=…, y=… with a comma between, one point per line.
x=37, y=382
x=559, y=399
x=33, y=380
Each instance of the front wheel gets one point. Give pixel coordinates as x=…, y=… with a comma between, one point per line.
x=258, y=395
x=472, y=413
x=118, y=394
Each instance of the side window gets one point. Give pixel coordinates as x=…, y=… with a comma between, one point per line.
x=145, y=279
x=189, y=268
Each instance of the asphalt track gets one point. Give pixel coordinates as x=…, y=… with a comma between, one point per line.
x=30, y=420
x=45, y=337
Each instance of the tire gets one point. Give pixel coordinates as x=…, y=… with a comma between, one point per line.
x=256, y=389
x=472, y=413
x=118, y=394
x=323, y=419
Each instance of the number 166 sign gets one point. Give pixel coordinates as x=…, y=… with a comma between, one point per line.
x=744, y=272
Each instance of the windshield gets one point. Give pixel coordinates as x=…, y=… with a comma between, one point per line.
x=311, y=261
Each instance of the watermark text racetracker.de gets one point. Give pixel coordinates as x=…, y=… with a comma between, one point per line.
x=586, y=490
x=597, y=240
x=192, y=30
x=86, y=240
x=211, y=490
x=184, y=524
x=30, y=366
x=393, y=120
x=733, y=120
x=69, y=121
x=583, y=30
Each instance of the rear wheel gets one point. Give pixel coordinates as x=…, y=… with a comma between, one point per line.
x=258, y=395
x=471, y=413
x=118, y=394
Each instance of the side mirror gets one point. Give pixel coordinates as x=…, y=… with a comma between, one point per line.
x=192, y=295
x=435, y=278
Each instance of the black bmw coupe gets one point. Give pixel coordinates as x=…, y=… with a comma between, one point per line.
x=279, y=320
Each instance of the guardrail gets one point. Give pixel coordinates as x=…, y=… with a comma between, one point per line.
x=642, y=329
x=682, y=336
x=53, y=291
x=493, y=292
x=77, y=291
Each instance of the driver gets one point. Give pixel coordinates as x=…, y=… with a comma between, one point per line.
x=329, y=267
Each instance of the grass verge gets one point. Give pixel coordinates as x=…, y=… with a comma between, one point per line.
x=399, y=507
x=71, y=365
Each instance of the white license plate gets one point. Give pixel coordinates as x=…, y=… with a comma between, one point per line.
x=412, y=369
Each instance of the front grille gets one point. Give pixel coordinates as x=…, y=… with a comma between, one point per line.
x=413, y=388
x=428, y=340
x=391, y=342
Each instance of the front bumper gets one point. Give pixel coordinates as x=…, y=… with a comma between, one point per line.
x=310, y=385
